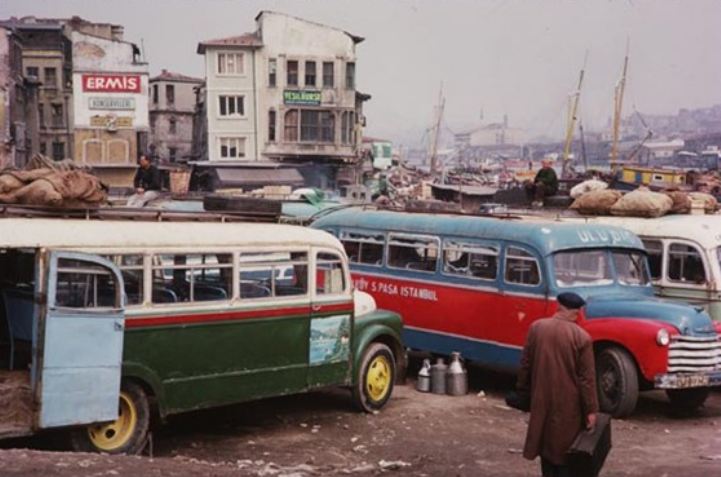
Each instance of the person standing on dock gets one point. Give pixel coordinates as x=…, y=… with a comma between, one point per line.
x=146, y=183
x=544, y=184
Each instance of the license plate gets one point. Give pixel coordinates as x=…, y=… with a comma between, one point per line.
x=691, y=381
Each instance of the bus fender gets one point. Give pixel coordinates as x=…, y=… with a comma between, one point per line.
x=147, y=378
x=382, y=334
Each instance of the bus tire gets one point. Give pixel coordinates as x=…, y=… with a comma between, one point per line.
x=127, y=434
x=617, y=382
x=687, y=400
x=376, y=376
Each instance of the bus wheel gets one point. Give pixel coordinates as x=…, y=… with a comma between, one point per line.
x=687, y=400
x=617, y=382
x=374, y=383
x=125, y=435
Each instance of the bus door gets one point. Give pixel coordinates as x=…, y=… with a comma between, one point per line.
x=330, y=322
x=524, y=298
x=81, y=345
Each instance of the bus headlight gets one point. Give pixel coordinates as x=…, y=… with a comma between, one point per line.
x=662, y=337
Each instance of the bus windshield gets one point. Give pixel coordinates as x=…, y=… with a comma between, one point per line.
x=593, y=268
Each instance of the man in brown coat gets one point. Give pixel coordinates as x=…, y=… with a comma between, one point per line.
x=557, y=369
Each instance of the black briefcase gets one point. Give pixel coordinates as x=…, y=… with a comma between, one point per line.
x=588, y=452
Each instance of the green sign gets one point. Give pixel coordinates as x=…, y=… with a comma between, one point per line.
x=308, y=98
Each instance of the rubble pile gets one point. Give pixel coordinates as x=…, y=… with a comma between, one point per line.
x=51, y=184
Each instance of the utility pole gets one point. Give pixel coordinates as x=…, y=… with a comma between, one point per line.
x=436, y=131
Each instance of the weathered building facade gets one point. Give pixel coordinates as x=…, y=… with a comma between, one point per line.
x=284, y=92
x=18, y=104
x=172, y=105
x=47, y=57
x=110, y=89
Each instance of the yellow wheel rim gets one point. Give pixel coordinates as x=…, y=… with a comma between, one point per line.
x=378, y=378
x=114, y=435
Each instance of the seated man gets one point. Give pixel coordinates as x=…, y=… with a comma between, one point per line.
x=544, y=184
x=146, y=183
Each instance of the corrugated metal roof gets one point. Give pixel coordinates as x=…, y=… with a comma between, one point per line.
x=257, y=177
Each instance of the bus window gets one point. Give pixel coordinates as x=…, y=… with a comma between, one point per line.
x=268, y=274
x=470, y=260
x=630, y=268
x=84, y=285
x=131, y=267
x=654, y=248
x=413, y=252
x=685, y=264
x=582, y=268
x=521, y=267
x=196, y=277
x=330, y=278
x=363, y=248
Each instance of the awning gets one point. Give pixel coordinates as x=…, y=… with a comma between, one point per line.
x=245, y=177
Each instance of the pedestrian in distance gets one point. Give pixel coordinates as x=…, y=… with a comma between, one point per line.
x=146, y=183
x=557, y=370
x=545, y=184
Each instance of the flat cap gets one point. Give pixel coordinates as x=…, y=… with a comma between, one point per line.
x=571, y=300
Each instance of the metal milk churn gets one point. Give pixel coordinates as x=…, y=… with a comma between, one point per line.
x=424, y=377
x=438, y=377
x=456, y=377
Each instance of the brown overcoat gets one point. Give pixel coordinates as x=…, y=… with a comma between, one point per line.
x=557, y=368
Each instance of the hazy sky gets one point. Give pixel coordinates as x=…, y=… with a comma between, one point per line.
x=520, y=58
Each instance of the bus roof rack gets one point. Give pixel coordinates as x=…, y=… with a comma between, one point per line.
x=133, y=214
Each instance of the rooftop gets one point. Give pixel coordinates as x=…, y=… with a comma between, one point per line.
x=250, y=40
x=166, y=75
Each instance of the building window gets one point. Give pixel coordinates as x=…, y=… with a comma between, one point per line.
x=171, y=154
x=292, y=70
x=291, y=126
x=328, y=74
x=173, y=126
x=271, y=125
x=41, y=115
x=232, y=147
x=56, y=115
x=170, y=94
x=32, y=71
x=51, y=78
x=155, y=94
x=317, y=126
x=58, y=151
x=272, y=72
x=231, y=105
x=230, y=63
x=350, y=75
x=43, y=148
x=310, y=73
x=347, y=131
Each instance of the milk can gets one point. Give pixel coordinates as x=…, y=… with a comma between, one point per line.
x=438, y=377
x=424, y=377
x=456, y=377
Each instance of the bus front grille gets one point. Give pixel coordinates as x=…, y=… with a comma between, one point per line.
x=689, y=354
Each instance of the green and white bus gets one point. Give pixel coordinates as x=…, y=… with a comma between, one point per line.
x=105, y=323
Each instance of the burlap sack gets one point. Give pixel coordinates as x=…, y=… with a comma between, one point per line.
x=681, y=202
x=587, y=186
x=710, y=202
x=55, y=189
x=642, y=203
x=596, y=202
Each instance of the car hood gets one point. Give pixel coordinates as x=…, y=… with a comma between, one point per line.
x=688, y=320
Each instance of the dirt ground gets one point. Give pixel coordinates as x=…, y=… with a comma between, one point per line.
x=416, y=434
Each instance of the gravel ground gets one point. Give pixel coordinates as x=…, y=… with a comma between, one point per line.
x=416, y=434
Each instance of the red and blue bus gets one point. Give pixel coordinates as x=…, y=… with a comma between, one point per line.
x=475, y=285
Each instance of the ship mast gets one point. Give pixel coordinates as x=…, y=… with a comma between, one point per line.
x=436, y=131
x=573, y=100
x=617, y=107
